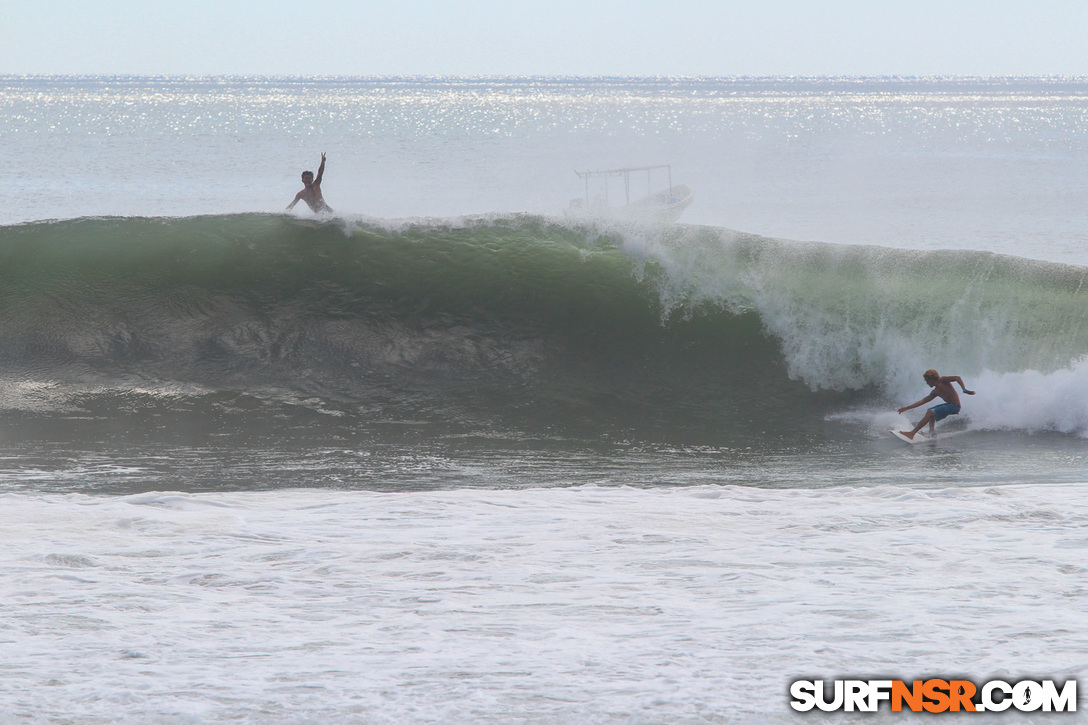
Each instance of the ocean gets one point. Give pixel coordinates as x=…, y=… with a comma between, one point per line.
x=461, y=451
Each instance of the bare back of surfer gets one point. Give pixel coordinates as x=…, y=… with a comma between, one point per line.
x=311, y=194
x=942, y=388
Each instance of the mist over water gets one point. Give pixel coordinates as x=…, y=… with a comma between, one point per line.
x=990, y=164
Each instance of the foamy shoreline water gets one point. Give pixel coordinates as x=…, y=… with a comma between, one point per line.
x=585, y=604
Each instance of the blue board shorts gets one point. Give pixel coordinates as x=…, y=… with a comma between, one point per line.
x=942, y=411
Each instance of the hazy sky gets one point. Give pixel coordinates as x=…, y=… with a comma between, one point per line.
x=546, y=37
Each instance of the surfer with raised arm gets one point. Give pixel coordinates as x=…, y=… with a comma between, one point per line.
x=311, y=194
x=942, y=388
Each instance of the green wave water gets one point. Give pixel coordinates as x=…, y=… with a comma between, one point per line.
x=520, y=321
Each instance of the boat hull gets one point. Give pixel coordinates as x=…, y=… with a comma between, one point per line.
x=666, y=205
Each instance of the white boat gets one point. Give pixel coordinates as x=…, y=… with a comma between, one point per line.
x=665, y=205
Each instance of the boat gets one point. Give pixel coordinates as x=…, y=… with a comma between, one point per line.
x=665, y=205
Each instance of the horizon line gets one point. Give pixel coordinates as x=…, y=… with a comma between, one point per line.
x=555, y=77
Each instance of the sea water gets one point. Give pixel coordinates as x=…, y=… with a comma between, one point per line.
x=457, y=453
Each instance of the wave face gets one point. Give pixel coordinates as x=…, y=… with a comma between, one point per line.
x=523, y=322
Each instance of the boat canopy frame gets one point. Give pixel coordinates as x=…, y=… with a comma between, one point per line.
x=626, y=174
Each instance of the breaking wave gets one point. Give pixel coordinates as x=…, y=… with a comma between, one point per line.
x=531, y=319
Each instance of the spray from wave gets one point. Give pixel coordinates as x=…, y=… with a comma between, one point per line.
x=850, y=317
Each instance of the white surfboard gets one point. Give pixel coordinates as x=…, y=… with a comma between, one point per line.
x=918, y=437
x=921, y=437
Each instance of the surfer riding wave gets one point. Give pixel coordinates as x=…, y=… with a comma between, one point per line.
x=942, y=388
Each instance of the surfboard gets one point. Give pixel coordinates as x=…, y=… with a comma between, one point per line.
x=918, y=437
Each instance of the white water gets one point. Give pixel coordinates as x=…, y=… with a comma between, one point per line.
x=605, y=605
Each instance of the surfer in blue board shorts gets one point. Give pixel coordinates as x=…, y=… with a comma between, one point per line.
x=942, y=388
x=312, y=193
